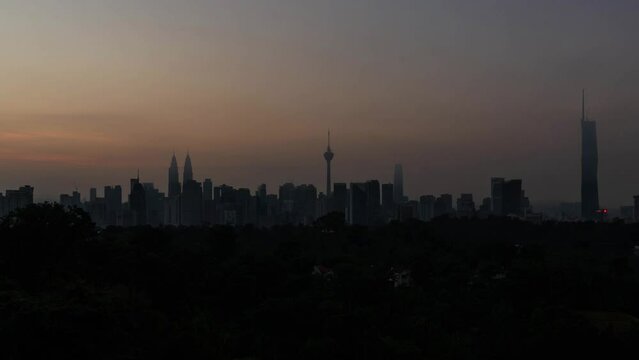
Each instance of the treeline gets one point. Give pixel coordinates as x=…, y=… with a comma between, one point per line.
x=448, y=289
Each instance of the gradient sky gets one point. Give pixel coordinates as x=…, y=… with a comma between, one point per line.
x=457, y=91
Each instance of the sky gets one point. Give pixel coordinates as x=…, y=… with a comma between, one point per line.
x=456, y=91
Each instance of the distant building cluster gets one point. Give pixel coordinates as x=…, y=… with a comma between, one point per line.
x=189, y=202
x=15, y=199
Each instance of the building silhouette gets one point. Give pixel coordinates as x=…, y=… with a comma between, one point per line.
x=512, y=198
x=16, y=199
x=339, y=201
x=188, y=169
x=113, y=203
x=71, y=201
x=328, y=156
x=444, y=205
x=175, y=188
x=154, y=205
x=172, y=204
x=191, y=197
x=426, y=207
x=357, y=204
x=636, y=197
x=137, y=203
x=388, y=201
x=589, y=165
x=373, y=203
x=465, y=206
x=497, y=195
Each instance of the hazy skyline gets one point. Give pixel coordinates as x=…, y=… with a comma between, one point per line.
x=456, y=91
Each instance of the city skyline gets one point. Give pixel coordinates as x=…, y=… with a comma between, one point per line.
x=456, y=91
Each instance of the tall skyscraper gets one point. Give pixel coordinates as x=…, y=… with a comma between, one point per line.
x=113, y=204
x=388, y=200
x=357, y=208
x=465, y=206
x=188, y=169
x=191, y=204
x=207, y=190
x=589, y=164
x=511, y=203
x=340, y=198
x=328, y=156
x=174, y=179
x=497, y=195
x=398, y=184
x=426, y=207
x=137, y=203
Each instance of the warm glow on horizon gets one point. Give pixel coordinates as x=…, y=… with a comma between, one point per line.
x=457, y=91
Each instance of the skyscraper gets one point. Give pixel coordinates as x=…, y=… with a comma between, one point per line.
x=328, y=156
x=191, y=204
x=398, y=184
x=137, y=203
x=340, y=198
x=174, y=179
x=511, y=192
x=207, y=190
x=388, y=200
x=188, y=169
x=589, y=164
x=497, y=195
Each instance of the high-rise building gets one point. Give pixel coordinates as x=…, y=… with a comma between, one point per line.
x=191, y=203
x=207, y=189
x=373, y=203
x=444, y=205
x=328, y=156
x=357, y=204
x=188, y=169
x=465, y=206
x=339, y=200
x=113, y=203
x=137, y=203
x=636, y=197
x=398, y=184
x=497, y=195
x=589, y=165
x=388, y=201
x=512, y=199
x=426, y=207
x=305, y=204
x=484, y=209
x=262, y=204
x=16, y=199
x=174, y=179
x=71, y=201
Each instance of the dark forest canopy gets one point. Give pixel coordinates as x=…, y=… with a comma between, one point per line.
x=449, y=289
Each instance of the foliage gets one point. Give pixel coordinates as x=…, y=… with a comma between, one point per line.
x=495, y=288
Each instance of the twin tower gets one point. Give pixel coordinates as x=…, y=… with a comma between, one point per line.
x=185, y=201
x=175, y=188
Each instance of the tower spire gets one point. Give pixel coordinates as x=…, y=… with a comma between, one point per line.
x=328, y=156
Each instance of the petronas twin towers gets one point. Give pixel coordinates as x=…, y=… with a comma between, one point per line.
x=175, y=188
x=185, y=199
